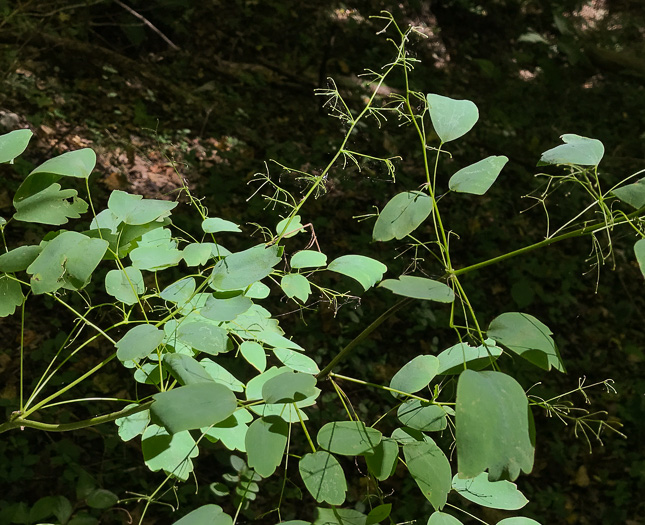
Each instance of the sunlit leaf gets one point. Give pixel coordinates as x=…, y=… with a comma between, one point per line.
x=296, y=285
x=139, y=342
x=415, y=375
x=289, y=227
x=527, y=337
x=451, y=118
x=479, y=177
x=206, y=515
x=462, y=356
x=10, y=295
x=12, y=144
x=335, y=516
x=218, y=307
x=348, y=438
x=241, y=269
x=78, y=164
x=216, y=225
x=639, y=250
x=254, y=354
x=494, y=494
x=208, y=403
x=197, y=254
x=419, y=288
x=133, y=425
x=323, y=477
x=186, y=369
x=204, y=336
x=422, y=416
x=296, y=360
x=135, y=210
x=170, y=453
x=50, y=206
x=518, y=520
x=440, y=518
x=382, y=462
x=632, y=194
x=289, y=387
x=220, y=375
x=308, y=259
x=156, y=251
x=19, y=259
x=494, y=426
x=266, y=440
x=125, y=285
x=232, y=430
x=363, y=269
x=577, y=150
x=430, y=469
x=403, y=214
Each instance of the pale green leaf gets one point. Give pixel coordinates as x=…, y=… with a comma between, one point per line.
x=204, y=336
x=139, y=342
x=170, y=453
x=135, y=210
x=348, y=438
x=288, y=387
x=415, y=375
x=296, y=360
x=79, y=164
x=403, y=214
x=125, y=285
x=193, y=406
x=278, y=341
x=220, y=375
x=323, y=477
x=19, y=259
x=266, y=440
x=225, y=306
x=494, y=426
x=180, y=291
x=494, y=494
x=440, y=518
x=632, y=194
x=216, y=225
x=197, y=254
x=206, y=515
x=156, y=251
x=50, y=206
x=462, y=356
x=257, y=290
x=639, y=250
x=335, y=516
x=254, y=354
x=186, y=369
x=231, y=431
x=308, y=259
x=527, y=337
x=133, y=425
x=382, y=462
x=430, y=469
x=451, y=118
x=12, y=144
x=10, y=295
x=241, y=269
x=296, y=285
x=289, y=227
x=426, y=417
x=518, y=520
x=479, y=177
x=578, y=150
x=255, y=386
x=419, y=288
x=363, y=269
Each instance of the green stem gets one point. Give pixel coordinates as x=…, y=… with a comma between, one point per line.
x=360, y=337
x=64, y=427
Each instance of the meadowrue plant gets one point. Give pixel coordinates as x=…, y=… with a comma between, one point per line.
x=174, y=333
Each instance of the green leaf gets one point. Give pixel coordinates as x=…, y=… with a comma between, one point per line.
x=266, y=440
x=180, y=291
x=494, y=426
x=101, y=499
x=518, y=520
x=289, y=387
x=527, y=337
x=422, y=416
x=139, y=342
x=348, y=438
x=308, y=259
x=216, y=225
x=170, y=453
x=255, y=386
x=278, y=341
x=19, y=259
x=479, y=177
x=323, y=477
x=289, y=226
x=403, y=214
x=193, y=406
x=296, y=361
x=135, y=210
x=639, y=250
x=451, y=118
x=10, y=295
x=496, y=495
x=133, y=425
x=125, y=285
x=378, y=514
x=382, y=463
x=578, y=150
x=254, y=354
x=336, y=516
x=67, y=261
x=220, y=307
x=457, y=358
x=440, y=518
x=220, y=375
x=197, y=254
x=50, y=206
x=363, y=269
x=632, y=194
x=419, y=288
x=206, y=515
x=156, y=251
x=232, y=431
x=186, y=369
x=257, y=290
x=296, y=285
x=430, y=469
x=78, y=164
x=12, y=144
x=203, y=336
x=408, y=436
x=415, y=375
x=241, y=269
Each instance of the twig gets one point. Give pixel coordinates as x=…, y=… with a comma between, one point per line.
x=146, y=22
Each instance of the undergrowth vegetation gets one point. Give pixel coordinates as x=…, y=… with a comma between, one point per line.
x=215, y=373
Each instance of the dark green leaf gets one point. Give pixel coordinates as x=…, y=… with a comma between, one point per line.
x=378, y=514
x=422, y=416
x=101, y=499
x=382, y=462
